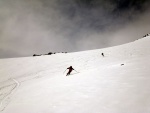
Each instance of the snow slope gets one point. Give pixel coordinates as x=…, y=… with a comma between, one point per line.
x=103, y=85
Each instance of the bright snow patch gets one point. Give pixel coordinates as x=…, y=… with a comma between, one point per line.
x=103, y=85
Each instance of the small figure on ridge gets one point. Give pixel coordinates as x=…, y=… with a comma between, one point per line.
x=103, y=54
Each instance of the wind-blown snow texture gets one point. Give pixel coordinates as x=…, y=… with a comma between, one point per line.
x=38, y=85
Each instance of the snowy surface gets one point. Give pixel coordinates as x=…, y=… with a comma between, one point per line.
x=103, y=85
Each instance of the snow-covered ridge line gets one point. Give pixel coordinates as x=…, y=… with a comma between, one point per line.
x=140, y=39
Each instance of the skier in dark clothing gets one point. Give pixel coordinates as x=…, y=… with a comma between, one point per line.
x=70, y=70
x=103, y=54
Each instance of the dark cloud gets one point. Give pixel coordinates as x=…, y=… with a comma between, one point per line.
x=101, y=14
x=39, y=26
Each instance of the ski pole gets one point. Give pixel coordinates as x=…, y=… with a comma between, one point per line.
x=76, y=71
x=64, y=71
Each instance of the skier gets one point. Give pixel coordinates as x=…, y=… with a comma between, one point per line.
x=103, y=54
x=70, y=70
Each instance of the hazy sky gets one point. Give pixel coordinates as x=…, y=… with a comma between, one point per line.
x=30, y=27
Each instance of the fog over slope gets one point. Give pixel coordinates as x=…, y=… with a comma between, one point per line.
x=40, y=26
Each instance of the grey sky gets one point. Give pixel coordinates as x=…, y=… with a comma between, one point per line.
x=30, y=27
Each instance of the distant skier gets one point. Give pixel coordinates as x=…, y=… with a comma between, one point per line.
x=103, y=54
x=70, y=70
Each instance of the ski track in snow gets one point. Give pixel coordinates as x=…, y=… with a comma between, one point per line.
x=2, y=106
